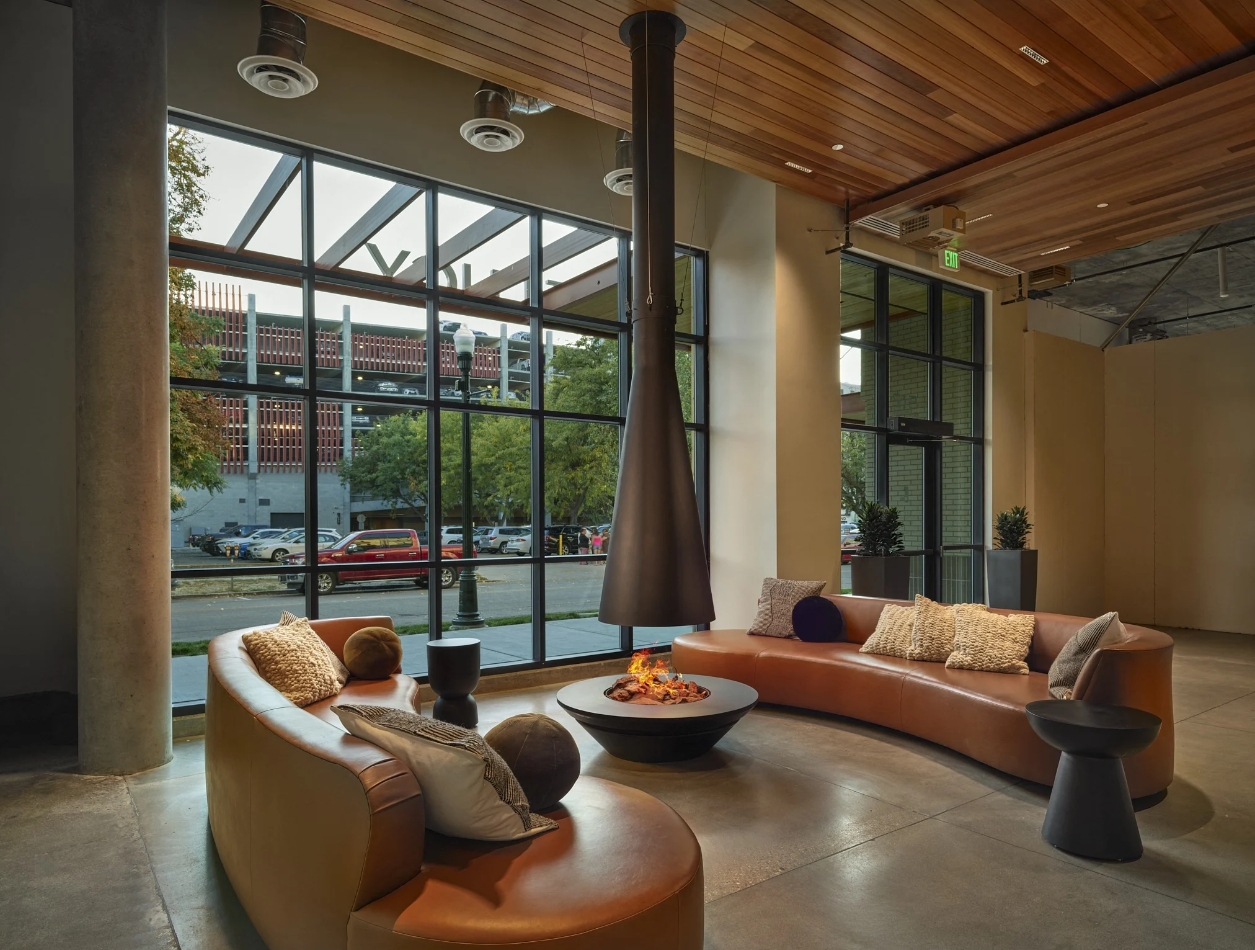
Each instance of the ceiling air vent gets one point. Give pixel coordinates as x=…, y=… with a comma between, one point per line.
x=491, y=130
x=933, y=228
x=1043, y=278
x=620, y=180
x=279, y=68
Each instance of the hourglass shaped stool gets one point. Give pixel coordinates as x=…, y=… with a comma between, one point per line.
x=453, y=674
x=1090, y=811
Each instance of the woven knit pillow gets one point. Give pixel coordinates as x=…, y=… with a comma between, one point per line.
x=294, y=660
x=1067, y=665
x=932, y=636
x=993, y=643
x=892, y=636
x=775, y=607
x=468, y=790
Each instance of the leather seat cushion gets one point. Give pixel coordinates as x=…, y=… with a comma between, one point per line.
x=397, y=692
x=583, y=885
x=726, y=653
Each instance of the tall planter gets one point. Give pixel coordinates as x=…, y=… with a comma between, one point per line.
x=888, y=578
x=1012, y=578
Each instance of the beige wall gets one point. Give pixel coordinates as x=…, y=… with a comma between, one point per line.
x=1064, y=464
x=1181, y=481
x=1004, y=376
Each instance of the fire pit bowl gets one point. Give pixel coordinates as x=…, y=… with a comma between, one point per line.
x=663, y=733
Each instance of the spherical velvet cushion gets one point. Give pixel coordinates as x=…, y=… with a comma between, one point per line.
x=818, y=620
x=373, y=653
x=542, y=755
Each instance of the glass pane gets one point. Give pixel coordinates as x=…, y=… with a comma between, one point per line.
x=581, y=372
x=501, y=363
x=235, y=328
x=858, y=301
x=858, y=480
x=957, y=573
x=684, y=379
x=908, y=387
x=656, y=638
x=956, y=325
x=956, y=398
x=503, y=600
x=917, y=576
x=375, y=344
x=858, y=385
x=369, y=224
x=581, y=272
x=501, y=476
x=231, y=196
x=581, y=468
x=236, y=473
x=685, y=294
x=908, y=313
x=956, y=492
x=906, y=492
x=484, y=250
x=572, y=598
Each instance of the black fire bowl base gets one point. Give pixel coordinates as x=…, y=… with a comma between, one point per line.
x=642, y=733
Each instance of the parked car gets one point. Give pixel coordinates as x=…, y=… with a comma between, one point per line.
x=278, y=549
x=240, y=546
x=249, y=550
x=562, y=538
x=397, y=553
x=520, y=546
x=495, y=539
x=452, y=534
x=212, y=544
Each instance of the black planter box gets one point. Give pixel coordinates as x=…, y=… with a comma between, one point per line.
x=1012, y=579
x=888, y=578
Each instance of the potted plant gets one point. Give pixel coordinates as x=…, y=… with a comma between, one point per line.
x=878, y=570
x=1012, y=565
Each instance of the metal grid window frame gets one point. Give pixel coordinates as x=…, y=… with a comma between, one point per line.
x=531, y=311
x=934, y=547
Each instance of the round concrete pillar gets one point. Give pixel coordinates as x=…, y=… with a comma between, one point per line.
x=122, y=374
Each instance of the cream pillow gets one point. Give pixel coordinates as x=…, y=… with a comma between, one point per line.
x=775, y=606
x=932, y=636
x=468, y=790
x=294, y=660
x=992, y=643
x=892, y=636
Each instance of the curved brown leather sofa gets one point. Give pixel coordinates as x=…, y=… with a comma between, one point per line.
x=978, y=714
x=322, y=837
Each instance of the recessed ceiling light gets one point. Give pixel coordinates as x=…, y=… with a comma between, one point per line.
x=1055, y=250
x=801, y=168
x=981, y=218
x=838, y=147
x=1034, y=55
x=1102, y=204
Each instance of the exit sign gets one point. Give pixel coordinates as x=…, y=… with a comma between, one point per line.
x=948, y=258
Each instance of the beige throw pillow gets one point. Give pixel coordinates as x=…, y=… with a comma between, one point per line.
x=932, y=636
x=775, y=607
x=992, y=643
x=1067, y=665
x=294, y=660
x=892, y=636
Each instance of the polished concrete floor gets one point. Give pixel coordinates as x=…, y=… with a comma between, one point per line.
x=817, y=832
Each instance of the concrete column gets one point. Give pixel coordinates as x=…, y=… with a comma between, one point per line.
x=346, y=409
x=250, y=343
x=122, y=369
x=504, y=361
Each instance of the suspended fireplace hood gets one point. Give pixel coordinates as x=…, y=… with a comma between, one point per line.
x=656, y=573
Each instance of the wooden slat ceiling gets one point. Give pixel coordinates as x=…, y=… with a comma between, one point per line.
x=912, y=89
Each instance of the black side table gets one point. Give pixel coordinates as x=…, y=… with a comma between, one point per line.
x=1090, y=811
x=453, y=674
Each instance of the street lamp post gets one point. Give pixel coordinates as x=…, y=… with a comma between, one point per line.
x=468, y=594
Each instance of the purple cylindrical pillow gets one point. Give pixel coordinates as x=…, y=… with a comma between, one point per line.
x=818, y=620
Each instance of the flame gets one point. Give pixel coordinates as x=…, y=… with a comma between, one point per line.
x=657, y=682
x=649, y=676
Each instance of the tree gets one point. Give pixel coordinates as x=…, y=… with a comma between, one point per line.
x=197, y=443
x=582, y=458
x=389, y=462
x=854, y=472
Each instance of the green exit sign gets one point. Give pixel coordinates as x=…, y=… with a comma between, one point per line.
x=948, y=258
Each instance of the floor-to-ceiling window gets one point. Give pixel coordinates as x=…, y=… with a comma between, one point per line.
x=318, y=409
x=913, y=348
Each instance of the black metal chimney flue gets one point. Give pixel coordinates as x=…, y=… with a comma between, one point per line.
x=657, y=573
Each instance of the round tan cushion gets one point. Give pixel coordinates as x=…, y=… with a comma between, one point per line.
x=373, y=653
x=541, y=754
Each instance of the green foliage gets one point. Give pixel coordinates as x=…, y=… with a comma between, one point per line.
x=880, y=529
x=853, y=472
x=1011, y=529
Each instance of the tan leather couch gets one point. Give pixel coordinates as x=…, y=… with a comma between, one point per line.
x=322, y=837
x=978, y=714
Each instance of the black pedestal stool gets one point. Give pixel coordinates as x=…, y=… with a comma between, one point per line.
x=1090, y=811
x=453, y=674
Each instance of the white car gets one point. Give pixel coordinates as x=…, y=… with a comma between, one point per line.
x=495, y=539
x=281, y=547
x=520, y=546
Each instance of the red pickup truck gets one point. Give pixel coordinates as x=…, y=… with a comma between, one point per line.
x=397, y=551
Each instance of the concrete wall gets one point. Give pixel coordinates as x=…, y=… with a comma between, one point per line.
x=37, y=558
x=1180, y=484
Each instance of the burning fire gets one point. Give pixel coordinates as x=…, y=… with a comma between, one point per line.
x=653, y=684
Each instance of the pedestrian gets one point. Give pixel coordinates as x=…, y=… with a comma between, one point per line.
x=597, y=544
x=584, y=541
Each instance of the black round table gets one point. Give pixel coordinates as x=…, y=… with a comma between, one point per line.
x=643, y=733
x=453, y=674
x=1090, y=811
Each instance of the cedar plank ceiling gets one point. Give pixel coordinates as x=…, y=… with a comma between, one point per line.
x=931, y=99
